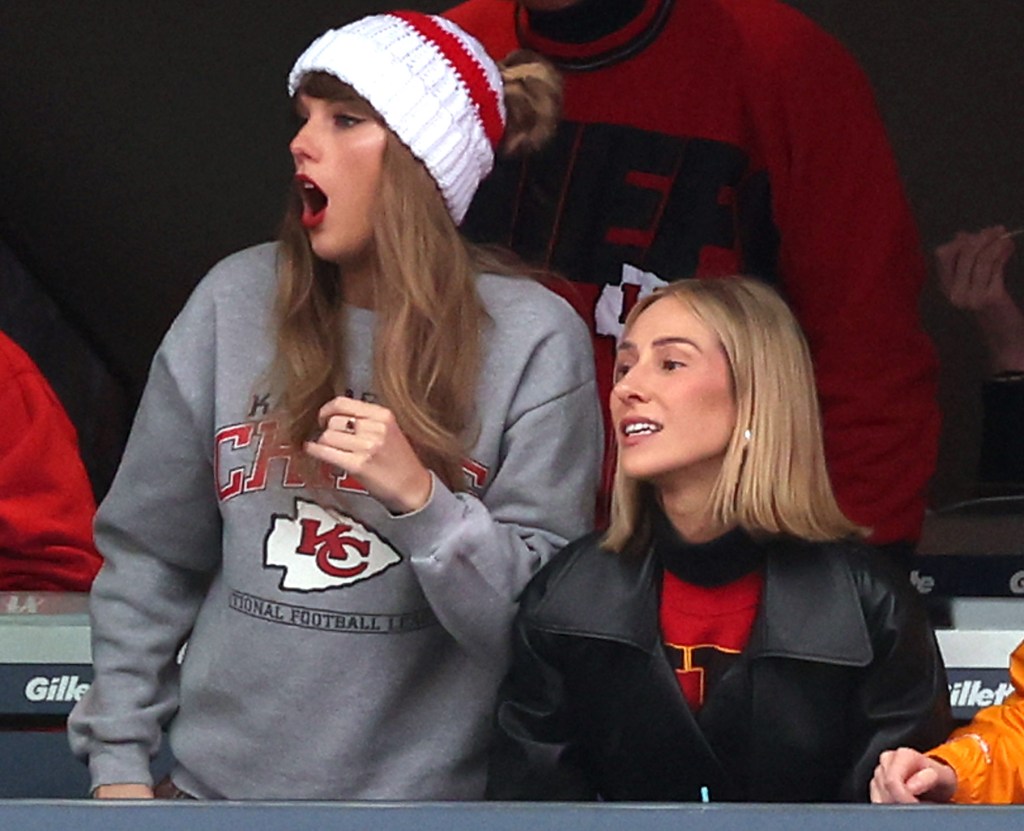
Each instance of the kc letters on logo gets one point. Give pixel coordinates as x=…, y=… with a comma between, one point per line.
x=321, y=548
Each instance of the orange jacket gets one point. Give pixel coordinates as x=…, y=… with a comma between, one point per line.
x=988, y=753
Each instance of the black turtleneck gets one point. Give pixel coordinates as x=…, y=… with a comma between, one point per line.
x=715, y=563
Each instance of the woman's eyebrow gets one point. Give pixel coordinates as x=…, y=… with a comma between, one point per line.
x=675, y=340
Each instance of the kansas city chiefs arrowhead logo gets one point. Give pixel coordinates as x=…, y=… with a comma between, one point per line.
x=323, y=549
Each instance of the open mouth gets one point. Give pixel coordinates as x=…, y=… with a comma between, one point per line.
x=314, y=201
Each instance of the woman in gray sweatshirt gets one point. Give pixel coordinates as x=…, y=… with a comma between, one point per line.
x=355, y=447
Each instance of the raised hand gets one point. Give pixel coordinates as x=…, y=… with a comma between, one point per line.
x=365, y=440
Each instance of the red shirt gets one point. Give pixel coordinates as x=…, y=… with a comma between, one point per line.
x=705, y=628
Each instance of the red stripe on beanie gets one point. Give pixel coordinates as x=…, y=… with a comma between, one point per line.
x=481, y=93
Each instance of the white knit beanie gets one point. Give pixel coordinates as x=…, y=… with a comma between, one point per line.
x=432, y=83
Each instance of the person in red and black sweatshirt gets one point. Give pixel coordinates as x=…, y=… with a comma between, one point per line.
x=712, y=137
x=730, y=637
x=46, y=502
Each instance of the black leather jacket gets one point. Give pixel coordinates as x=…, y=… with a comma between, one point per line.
x=841, y=665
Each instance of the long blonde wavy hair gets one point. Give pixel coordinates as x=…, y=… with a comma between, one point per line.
x=429, y=319
x=775, y=481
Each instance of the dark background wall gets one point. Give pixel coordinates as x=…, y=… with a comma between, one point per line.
x=141, y=142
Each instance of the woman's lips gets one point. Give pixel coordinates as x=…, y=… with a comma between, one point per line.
x=633, y=431
x=314, y=201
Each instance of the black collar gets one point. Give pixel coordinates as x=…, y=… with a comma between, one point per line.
x=799, y=578
x=586, y=21
x=593, y=33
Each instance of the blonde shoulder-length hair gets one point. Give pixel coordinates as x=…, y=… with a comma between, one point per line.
x=773, y=478
x=430, y=322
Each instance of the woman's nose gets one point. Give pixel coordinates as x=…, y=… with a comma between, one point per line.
x=302, y=145
x=630, y=387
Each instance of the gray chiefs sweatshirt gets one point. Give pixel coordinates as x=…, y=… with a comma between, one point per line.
x=334, y=651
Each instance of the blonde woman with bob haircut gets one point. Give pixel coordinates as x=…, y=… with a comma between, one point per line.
x=731, y=636
x=778, y=484
x=355, y=448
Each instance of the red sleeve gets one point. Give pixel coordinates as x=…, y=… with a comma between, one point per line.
x=46, y=502
x=852, y=267
x=490, y=22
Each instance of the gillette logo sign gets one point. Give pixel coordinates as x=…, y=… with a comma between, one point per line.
x=976, y=694
x=64, y=688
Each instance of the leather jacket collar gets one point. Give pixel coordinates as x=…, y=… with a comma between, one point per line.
x=615, y=597
x=793, y=590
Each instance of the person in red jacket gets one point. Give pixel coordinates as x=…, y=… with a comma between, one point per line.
x=713, y=137
x=46, y=502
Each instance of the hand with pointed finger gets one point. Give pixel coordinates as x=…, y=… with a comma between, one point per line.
x=905, y=776
x=365, y=440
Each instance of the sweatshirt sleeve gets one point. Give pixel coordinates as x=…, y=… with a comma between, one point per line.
x=473, y=556
x=159, y=531
x=987, y=754
x=46, y=501
x=851, y=266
